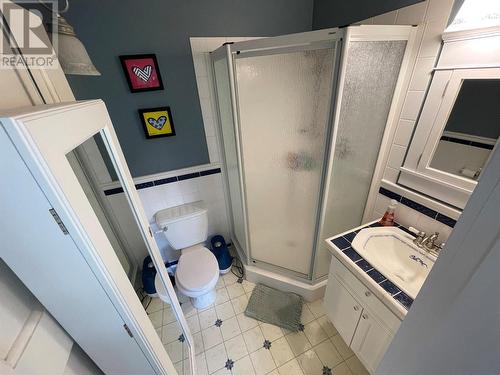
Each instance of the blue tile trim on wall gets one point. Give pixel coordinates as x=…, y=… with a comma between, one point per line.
x=145, y=185
x=344, y=244
x=419, y=207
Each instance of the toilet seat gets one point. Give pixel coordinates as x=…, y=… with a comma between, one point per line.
x=197, y=271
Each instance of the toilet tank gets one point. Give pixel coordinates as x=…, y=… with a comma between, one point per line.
x=185, y=225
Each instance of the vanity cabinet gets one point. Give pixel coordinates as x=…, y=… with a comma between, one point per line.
x=364, y=322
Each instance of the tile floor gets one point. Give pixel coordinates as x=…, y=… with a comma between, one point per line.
x=229, y=343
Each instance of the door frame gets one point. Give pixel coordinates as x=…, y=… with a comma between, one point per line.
x=99, y=255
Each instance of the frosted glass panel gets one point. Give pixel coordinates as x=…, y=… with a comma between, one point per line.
x=371, y=75
x=230, y=150
x=284, y=102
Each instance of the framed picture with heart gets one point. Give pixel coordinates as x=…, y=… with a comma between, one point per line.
x=142, y=72
x=157, y=122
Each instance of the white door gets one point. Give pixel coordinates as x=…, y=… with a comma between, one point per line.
x=342, y=309
x=370, y=341
x=45, y=137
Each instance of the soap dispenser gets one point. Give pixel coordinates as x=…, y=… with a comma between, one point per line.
x=388, y=218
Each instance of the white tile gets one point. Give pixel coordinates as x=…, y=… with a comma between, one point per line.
x=240, y=304
x=169, y=315
x=396, y=156
x=444, y=232
x=221, y=296
x=156, y=304
x=171, y=332
x=229, y=278
x=270, y=331
x=174, y=351
x=201, y=364
x=230, y=328
x=342, y=347
x=203, y=87
x=388, y=18
x=216, y=358
x=243, y=367
x=390, y=175
x=406, y=216
x=236, y=348
x=317, y=308
x=235, y=290
x=404, y=132
x=307, y=316
x=213, y=150
x=315, y=333
x=298, y=342
x=381, y=203
x=194, y=323
x=262, y=361
x=211, y=337
x=248, y=286
x=188, y=309
x=342, y=369
x=156, y=318
x=225, y=310
x=411, y=15
x=198, y=343
x=310, y=363
x=431, y=42
x=222, y=371
x=439, y=9
x=327, y=326
x=356, y=366
x=426, y=224
x=220, y=283
x=281, y=351
x=253, y=339
x=179, y=367
x=422, y=73
x=290, y=368
x=246, y=322
x=207, y=318
x=328, y=354
x=412, y=105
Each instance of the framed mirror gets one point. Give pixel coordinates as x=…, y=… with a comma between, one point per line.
x=457, y=130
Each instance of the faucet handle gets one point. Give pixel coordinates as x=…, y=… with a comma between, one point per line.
x=417, y=232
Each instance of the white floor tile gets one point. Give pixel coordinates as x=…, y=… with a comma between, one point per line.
x=310, y=363
x=171, y=332
x=229, y=278
x=291, y=368
x=307, y=315
x=298, y=342
x=201, y=364
x=356, y=366
x=342, y=369
x=156, y=318
x=220, y=283
x=188, y=309
x=236, y=348
x=221, y=296
x=179, y=367
x=248, y=286
x=211, y=337
x=243, y=367
x=270, y=331
x=281, y=351
x=235, y=290
x=174, y=351
x=328, y=354
x=168, y=315
x=207, y=318
x=224, y=311
x=230, y=328
x=315, y=333
x=216, y=358
x=317, y=308
x=240, y=304
x=253, y=339
x=246, y=322
x=262, y=361
x=156, y=304
x=194, y=323
x=274, y=372
x=327, y=326
x=198, y=343
x=342, y=347
x=222, y=371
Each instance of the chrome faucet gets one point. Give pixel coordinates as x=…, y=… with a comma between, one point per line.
x=428, y=243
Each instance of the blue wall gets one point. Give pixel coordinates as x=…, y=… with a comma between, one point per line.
x=112, y=28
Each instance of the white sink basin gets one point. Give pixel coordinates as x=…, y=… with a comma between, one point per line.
x=392, y=252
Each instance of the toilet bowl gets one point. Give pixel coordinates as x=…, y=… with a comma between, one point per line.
x=185, y=228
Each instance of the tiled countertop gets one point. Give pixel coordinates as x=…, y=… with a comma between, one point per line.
x=392, y=296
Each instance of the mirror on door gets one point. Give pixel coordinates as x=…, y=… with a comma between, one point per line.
x=472, y=130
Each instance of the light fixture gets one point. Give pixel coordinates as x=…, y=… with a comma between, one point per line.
x=71, y=52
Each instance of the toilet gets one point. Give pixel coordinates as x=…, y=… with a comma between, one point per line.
x=186, y=229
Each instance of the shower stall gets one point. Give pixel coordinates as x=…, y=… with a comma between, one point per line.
x=301, y=119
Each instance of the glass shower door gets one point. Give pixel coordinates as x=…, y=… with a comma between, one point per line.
x=284, y=99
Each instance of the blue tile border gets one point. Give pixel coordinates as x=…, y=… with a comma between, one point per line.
x=419, y=207
x=343, y=243
x=168, y=180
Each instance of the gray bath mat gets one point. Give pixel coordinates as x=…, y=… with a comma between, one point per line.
x=273, y=306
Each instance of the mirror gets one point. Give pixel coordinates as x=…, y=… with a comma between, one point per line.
x=471, y=131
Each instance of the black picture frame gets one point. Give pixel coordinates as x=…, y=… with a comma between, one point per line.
x=166, y=109
x=125, y=58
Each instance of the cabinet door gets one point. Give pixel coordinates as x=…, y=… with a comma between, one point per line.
x=343, y=310
x=370, y=341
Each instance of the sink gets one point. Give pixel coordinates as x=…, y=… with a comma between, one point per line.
x=392, y=252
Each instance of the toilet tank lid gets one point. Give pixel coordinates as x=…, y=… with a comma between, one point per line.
x=184, y=211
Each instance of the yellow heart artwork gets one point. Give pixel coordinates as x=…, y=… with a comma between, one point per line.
x=157, y=122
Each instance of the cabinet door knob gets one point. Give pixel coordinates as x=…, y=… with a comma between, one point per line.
x=364, y=316
x=368, y=293
x=356, y=308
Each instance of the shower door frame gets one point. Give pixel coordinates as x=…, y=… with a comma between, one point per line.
x=311, y=40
